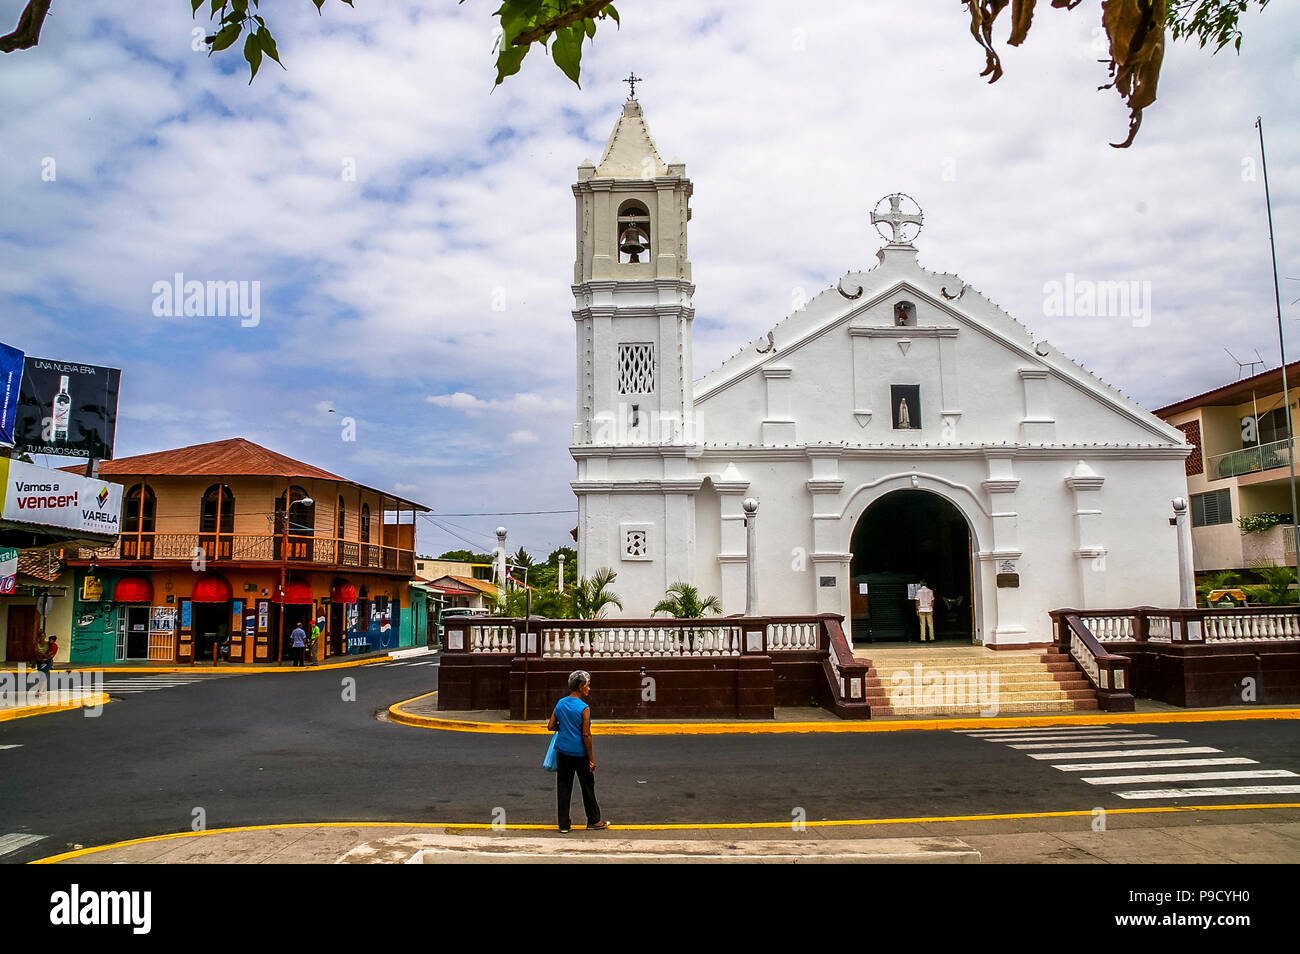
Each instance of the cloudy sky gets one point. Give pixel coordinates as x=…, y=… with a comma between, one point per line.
x=411, y=229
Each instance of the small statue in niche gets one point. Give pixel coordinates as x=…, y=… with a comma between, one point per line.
x=904, y=418
x=904, y=314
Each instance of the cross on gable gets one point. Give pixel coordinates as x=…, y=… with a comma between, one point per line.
x=632, y=80
x=895, y=218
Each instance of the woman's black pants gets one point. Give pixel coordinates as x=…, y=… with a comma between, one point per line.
x=566, y=767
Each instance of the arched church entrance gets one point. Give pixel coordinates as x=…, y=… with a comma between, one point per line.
x=904, y=538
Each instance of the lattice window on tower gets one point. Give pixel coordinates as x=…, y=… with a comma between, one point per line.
x=636, y=368
x=636, y=541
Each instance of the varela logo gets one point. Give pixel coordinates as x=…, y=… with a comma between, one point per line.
x=101, y=498
x=77, y=907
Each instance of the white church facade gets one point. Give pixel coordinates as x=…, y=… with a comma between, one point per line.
x=900, y=427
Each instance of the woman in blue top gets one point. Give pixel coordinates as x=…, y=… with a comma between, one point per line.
x=572, y=721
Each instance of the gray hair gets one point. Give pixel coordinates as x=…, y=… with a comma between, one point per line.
x=578, y=678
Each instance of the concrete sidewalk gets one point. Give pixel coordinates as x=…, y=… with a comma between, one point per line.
x=1244, y=835
x=423, y=712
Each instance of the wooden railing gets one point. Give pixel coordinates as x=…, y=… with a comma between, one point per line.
x=253, y=548
x=820, y=638
x=1106, y=671
x=1149, y=624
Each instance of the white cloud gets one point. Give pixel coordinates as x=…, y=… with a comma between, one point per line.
x=438, y=280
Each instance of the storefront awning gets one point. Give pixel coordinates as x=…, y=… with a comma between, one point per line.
x=134, y=589
x=343, y=592
x=294, y=594
x=211, y=589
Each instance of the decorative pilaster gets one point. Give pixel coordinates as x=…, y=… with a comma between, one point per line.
x=778, y=425
x=1089, y=552
x=1038, y=426
x=731, y=488
x=1002, y=558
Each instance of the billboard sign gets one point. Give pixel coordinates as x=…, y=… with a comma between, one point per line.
x=69, y=410
x=11, y=376
x=50, y=498
x=8, y=570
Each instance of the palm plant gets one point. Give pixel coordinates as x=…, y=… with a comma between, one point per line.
x=592, y=595
x=683, y=601
x=1276, y=587
x=510, y=601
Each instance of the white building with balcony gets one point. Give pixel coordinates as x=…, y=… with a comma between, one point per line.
x=1240, y=467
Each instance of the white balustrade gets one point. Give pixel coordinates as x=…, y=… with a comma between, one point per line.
x=790, y=637
x=1160, y=629
x=1109, y=629
x=617, y=641
x=492, y=639
x=1083, y=656
x=1251, y=628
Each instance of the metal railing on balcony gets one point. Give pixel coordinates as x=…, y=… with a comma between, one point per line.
x=1249, y=460
x=253, y=548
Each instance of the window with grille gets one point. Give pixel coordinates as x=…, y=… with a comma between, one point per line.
x=1211, y=509
x=636, y=368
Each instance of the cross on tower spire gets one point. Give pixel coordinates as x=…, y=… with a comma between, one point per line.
x=632, y=80
x=896, y=218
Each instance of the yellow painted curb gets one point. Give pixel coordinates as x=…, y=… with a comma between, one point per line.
x=669, y=826
x=250, y=670
x=98, y=699
x=398, y=714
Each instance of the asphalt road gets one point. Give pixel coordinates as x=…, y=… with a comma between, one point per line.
x=261, y=749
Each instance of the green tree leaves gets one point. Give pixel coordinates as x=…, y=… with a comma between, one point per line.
x=564, y=24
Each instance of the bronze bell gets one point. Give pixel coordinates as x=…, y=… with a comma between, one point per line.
x=633, y=242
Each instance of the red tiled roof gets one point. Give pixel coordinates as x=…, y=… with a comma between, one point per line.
x=235, y=457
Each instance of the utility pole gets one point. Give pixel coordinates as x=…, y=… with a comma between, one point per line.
x=1281, y=341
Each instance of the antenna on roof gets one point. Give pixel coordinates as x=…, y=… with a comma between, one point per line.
x=1243, y=365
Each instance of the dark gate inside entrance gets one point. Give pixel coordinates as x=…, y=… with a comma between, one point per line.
x=903, y=538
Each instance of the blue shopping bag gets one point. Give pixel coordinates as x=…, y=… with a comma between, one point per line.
x=548, y=763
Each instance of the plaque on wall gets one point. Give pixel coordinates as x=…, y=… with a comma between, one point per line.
x=826, y=581
x=1008, y=580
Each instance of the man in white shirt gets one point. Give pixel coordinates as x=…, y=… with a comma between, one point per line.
x=925, y=610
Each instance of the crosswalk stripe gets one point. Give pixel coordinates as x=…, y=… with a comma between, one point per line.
x=1096, y=745
x=1153, y=763
x=1184, y=777
x=15, y=840
x=1054, y=729
x=1229, y=790
x=1124, y=753
x=1075, y=738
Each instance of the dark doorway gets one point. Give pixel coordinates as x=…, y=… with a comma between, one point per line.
x=903, y=538
x=336, y=631
x=20, y=636
x=137, y=632
x=210, y=624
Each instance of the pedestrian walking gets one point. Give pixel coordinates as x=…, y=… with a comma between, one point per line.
x=299, y=640
x=47, y=647
x=571, y=721
x=317, y=629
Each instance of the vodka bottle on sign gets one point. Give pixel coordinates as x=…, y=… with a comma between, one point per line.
x=62, y=410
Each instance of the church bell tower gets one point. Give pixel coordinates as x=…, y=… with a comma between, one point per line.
x=632, y=293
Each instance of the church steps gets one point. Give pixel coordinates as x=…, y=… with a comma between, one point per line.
x=1026, y=681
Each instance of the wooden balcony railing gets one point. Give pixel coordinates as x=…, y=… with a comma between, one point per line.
x=254, y=548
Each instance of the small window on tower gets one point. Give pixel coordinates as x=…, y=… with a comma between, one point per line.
x=636, y=368
x=633, y=232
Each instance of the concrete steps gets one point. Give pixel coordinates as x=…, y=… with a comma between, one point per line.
x=921, y=681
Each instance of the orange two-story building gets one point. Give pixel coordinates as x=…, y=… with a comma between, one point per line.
x=226, y=546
